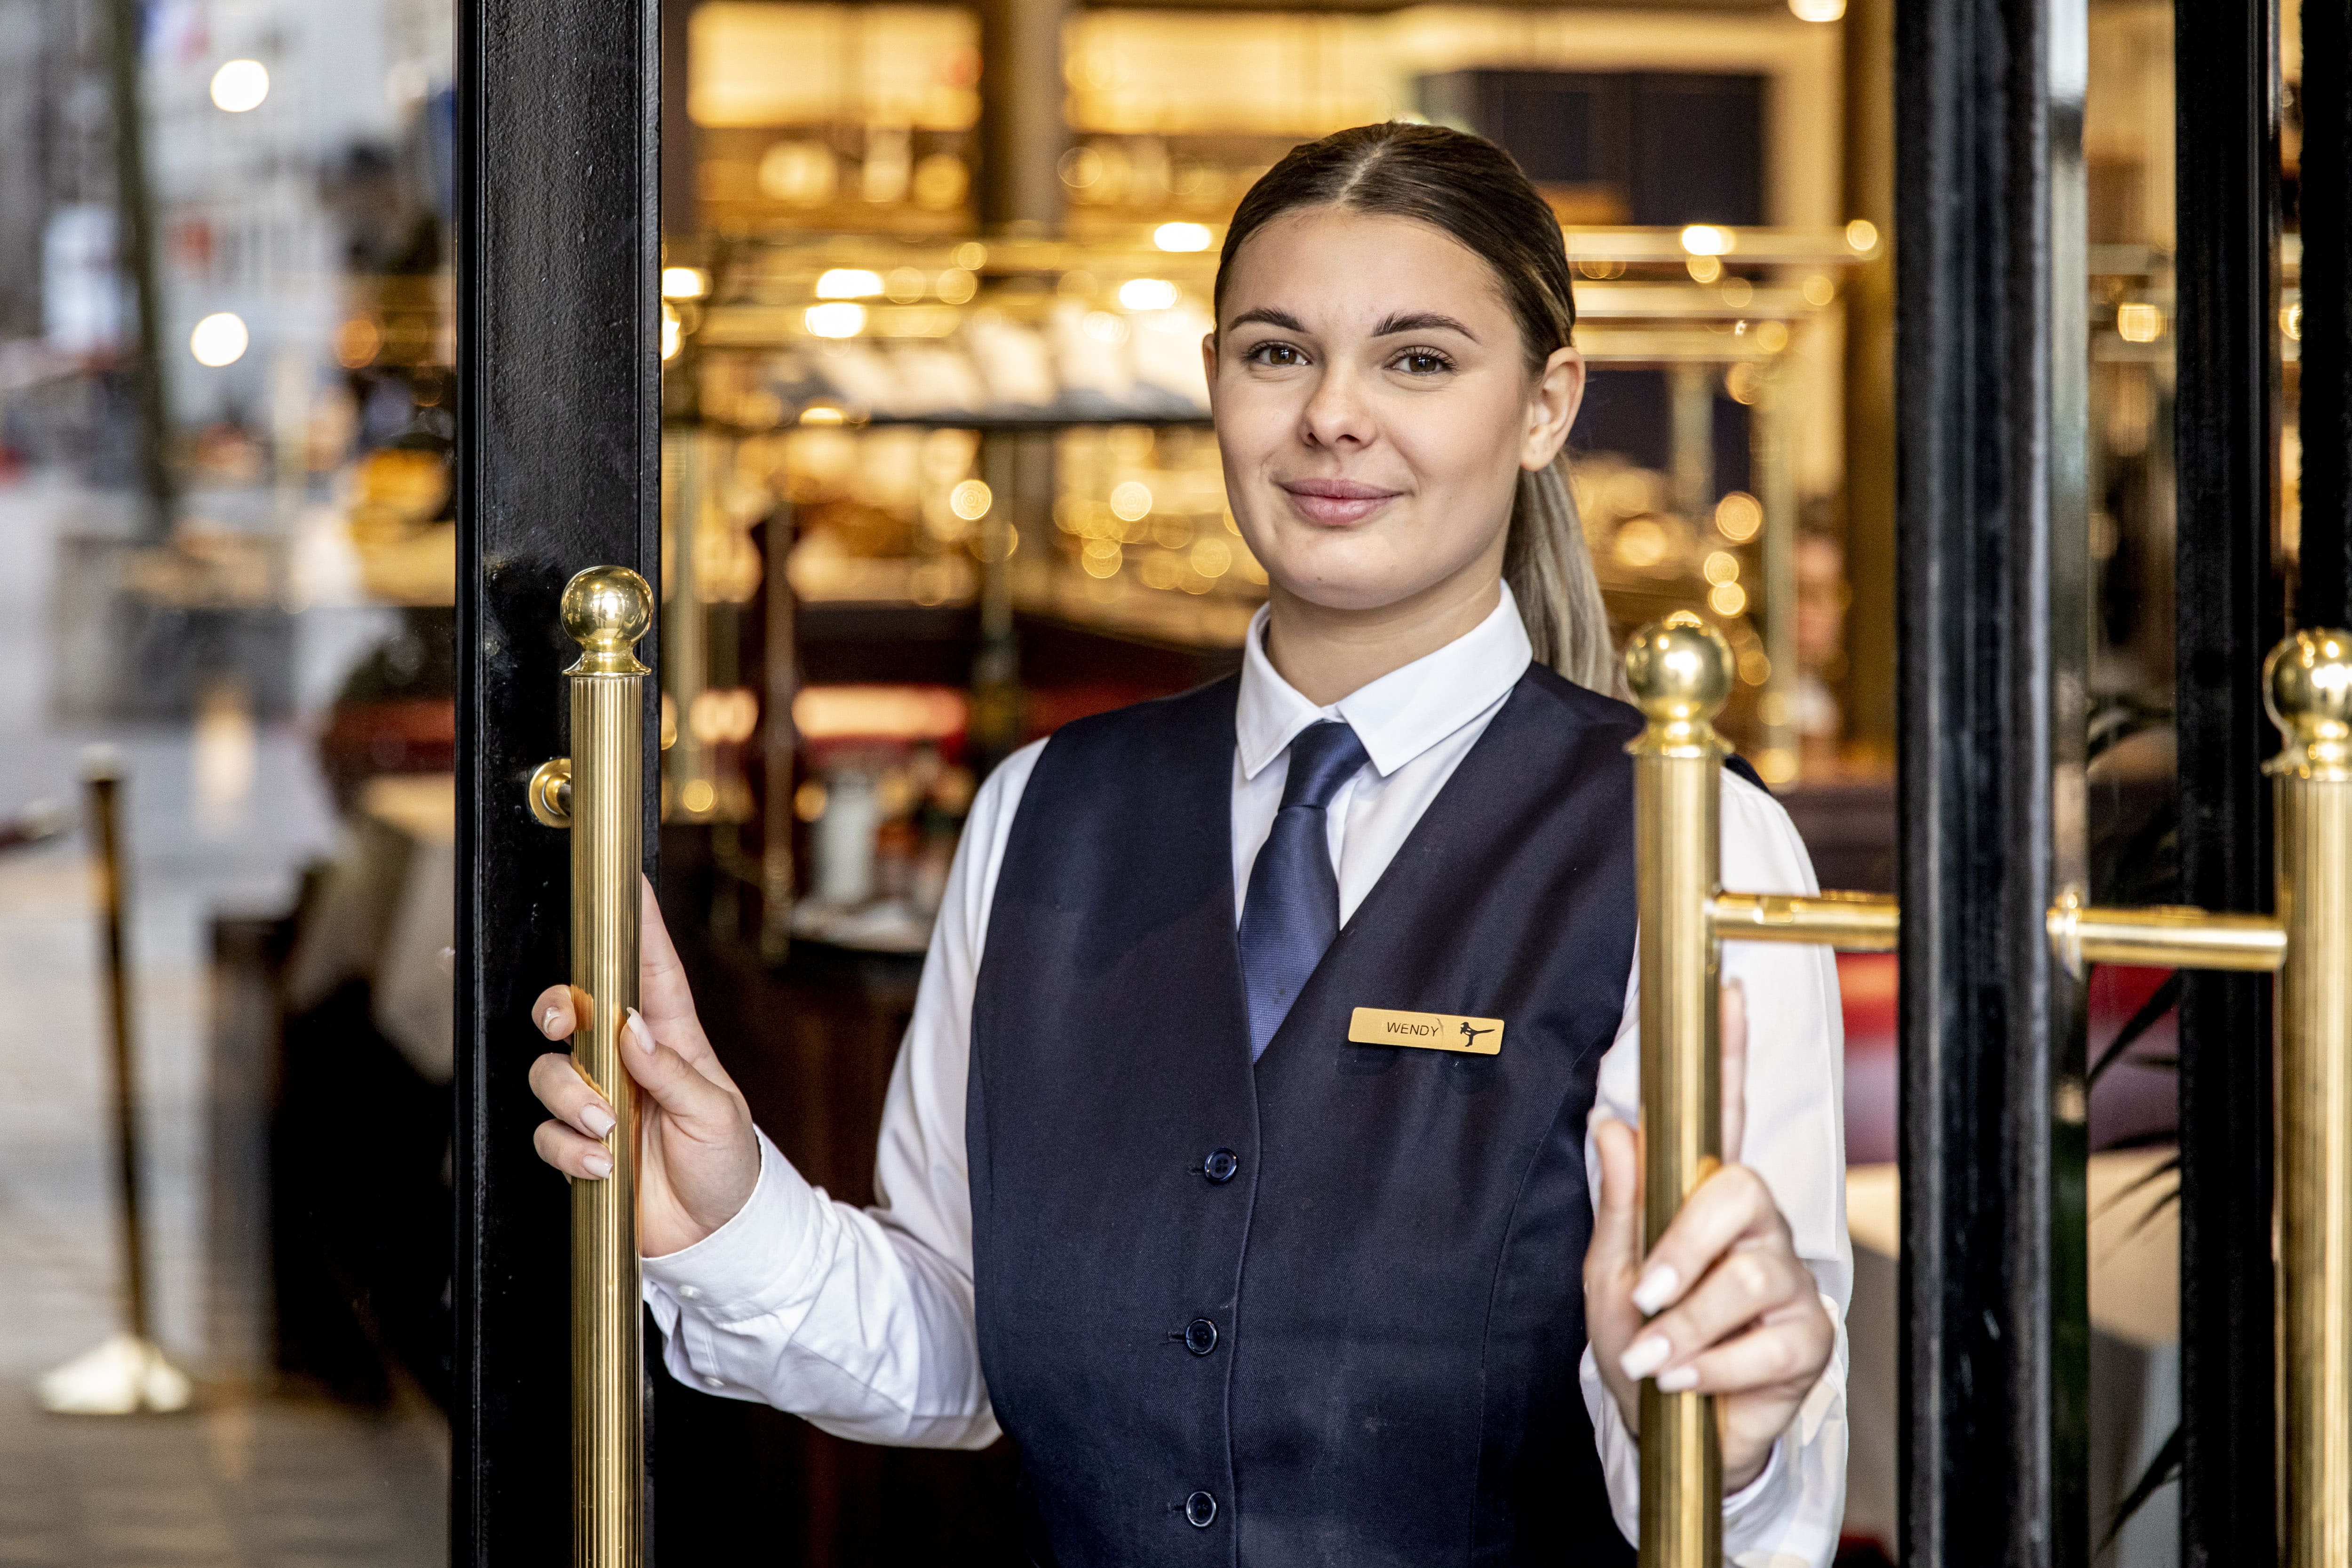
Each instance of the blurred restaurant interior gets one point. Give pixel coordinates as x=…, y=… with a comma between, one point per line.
x=937, y=477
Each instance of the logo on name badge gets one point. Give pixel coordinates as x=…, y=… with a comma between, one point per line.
x=1430, y=1031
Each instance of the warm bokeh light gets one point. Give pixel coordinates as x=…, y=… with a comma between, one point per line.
x=2139, y=323
x=1817, y=10
x=1862, y=236
x=1739, y=517
x=971, y=500
x=1727, y=599
x=240, y=85
x=1722, y=567
x=848, y=283
x=219, y=339
x=890, y=712
x=685, y=282
x=1182, y=237
x=672, y=332
x=1146, y=293
x=1704, y=269
x=1707, y=239
x=841, y=320
x=1130, y=501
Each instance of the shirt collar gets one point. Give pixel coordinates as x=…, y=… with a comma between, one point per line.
x=1397, y=716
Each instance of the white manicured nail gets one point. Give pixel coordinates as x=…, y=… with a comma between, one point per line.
x=547, y=1023
x=1645, y=1356
x=598, y=1166
x=1657, y=1289
x=638, y=1034
x=597, y=1119
x=1677, y=1379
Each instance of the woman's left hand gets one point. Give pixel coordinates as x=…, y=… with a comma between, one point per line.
x=1738, y=1314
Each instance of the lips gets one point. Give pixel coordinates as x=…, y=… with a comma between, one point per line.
x=1336, y=502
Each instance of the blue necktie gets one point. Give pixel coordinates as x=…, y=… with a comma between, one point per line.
x=1292, y=912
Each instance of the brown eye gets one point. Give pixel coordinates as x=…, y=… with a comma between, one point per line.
x=1422, y=362
x=1281, y=354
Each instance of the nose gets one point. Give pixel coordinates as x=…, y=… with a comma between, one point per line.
x=1336, y=415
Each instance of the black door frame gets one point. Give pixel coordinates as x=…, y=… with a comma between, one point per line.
x=558, y=252
x=2229, y=612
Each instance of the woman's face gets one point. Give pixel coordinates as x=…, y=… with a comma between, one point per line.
x=1374, y=408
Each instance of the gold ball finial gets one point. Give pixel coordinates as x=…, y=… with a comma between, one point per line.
x=2308, y=686
x=1679, y=669
x=606, y=609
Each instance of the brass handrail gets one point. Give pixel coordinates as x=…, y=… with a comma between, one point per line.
x=598, y=793
x=1680, y=672
x=2307, y=684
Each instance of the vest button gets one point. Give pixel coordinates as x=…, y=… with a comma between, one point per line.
x=1221, y=1164
x=1200, y=1509
x=1200, y=1336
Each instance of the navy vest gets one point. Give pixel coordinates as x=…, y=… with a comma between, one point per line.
x=1360, y=1346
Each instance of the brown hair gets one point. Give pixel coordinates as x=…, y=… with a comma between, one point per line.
x=1469, y=189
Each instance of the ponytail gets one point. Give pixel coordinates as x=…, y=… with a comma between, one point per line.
x=1467, y=188
x=1549, y=568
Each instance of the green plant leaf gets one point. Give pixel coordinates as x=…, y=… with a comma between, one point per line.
x=2166, y=997
x=2164, y=1467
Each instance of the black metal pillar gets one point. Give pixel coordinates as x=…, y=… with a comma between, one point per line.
x=559, y=469
x=2227, y=616
x=1992, y=586
x=2324, y=200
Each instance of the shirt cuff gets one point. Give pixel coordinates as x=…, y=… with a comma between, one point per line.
x=1762, y=1496
x=755, y=1262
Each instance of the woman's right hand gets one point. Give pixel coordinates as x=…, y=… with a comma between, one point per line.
x=697, y=1157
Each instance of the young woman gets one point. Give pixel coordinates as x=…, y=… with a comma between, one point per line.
x=1243, y=1290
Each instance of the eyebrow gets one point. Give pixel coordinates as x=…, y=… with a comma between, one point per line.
x=1272, y=317
x=1407, y=321
x=1422, y=321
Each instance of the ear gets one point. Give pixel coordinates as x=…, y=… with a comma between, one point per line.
x=1558, y=394
x=1209, y=367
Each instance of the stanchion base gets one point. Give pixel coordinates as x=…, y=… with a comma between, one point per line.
x=120, y=1377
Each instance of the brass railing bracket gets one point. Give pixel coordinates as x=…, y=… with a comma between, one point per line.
x=549, y=793
x=2161, y=936
x=1852, y=922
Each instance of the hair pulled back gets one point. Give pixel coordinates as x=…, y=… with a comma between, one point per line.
x=1471, y=190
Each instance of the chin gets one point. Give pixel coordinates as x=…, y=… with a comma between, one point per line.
x=1337, y=576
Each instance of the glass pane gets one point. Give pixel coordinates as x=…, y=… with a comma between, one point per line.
x=231, y=597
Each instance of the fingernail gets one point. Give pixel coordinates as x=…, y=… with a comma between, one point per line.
x=1654, y=1289
x=639, y=1036
x=1645, y=1356
x=547, y=1023
x=598, y=1120
x=600, y=1167
x=1677, y=1380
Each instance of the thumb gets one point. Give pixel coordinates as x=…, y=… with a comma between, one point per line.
x=703, y=1109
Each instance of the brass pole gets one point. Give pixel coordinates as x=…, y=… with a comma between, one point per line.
x=2308, y=683
x=1680, y=672
x=606, y=609
x=105, y=786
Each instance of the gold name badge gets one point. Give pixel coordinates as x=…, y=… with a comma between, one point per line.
x=1431, y=1031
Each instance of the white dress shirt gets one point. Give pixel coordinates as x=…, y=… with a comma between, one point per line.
x=861, y=1320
